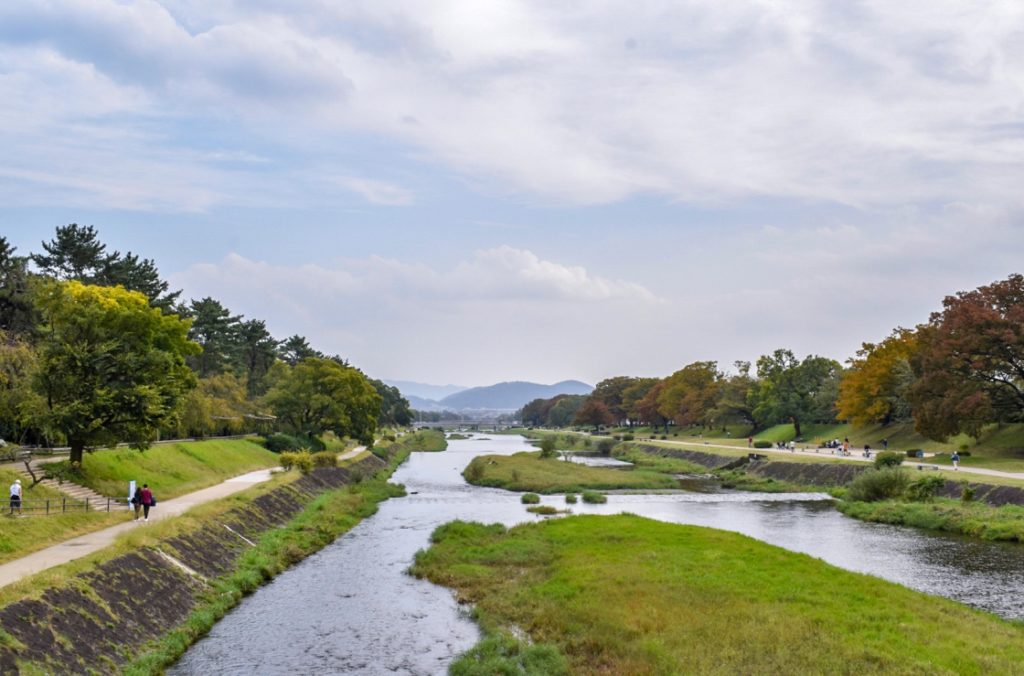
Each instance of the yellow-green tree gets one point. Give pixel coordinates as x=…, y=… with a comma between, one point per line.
x=111, y=367
x=690, y=394
x=874, y=388
x=317, y=395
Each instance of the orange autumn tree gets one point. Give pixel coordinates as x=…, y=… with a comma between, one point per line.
x=874, y=387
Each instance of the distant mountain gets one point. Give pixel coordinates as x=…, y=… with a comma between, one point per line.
x=510, y=396
x=421, y=404
x=435, y=393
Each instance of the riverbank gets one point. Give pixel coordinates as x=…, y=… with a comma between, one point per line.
x=185, y=573
x=696, y=600
x=1004, y=523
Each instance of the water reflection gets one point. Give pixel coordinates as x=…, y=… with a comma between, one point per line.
x=352, y=609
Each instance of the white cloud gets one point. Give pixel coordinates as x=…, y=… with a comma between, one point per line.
x=377, y=192
x=873, y=105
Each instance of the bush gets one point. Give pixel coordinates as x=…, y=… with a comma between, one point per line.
x=925, y=488
x=475, y=471
x=279, y=443
x=605, y=446
x=547, y=447
x=878, y=484
x=594, y=498
x=888, y=459
x=762, y=444
x=325, y=459
x=627, y=437
x=64, y=470
x=912, y=452
x=967, y=493
x=301, y=460
x=542, y=509
x=570, y=499
x=530, y=499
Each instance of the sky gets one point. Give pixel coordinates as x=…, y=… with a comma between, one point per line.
x=473, y=191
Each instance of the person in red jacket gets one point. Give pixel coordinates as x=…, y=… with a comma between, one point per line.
x=147, y=501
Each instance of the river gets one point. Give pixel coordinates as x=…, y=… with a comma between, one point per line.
x=351, y=608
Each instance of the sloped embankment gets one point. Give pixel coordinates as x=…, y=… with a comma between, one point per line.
x=96, y=620
x=807, y=473
x=711, y=461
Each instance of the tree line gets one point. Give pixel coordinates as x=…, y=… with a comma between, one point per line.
x=961, y=370
x=95, y=348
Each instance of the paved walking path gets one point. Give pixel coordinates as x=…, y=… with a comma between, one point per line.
x=80, y=546
x=855, y=456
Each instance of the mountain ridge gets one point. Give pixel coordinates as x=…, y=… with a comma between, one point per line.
x=510, y=395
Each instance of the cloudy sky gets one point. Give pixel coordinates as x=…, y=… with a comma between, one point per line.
x=476, y=190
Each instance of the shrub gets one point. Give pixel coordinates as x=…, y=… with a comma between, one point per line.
x=530, y=499
x=888, y=459
x=390, y=437
x=925, y=488
x=542, y=509
x=912, y=452
x=878, y=484
x=63, y=470
x=475, y=471
x=570, y=498
x=279, y=443
x=325, y=459
x=762, y=444
x=594, y=498
x=967, y=493
x=301, y=460
x=547, y=447
x=605, y=446
x=627, y=437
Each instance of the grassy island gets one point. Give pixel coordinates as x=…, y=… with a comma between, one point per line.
x=628, y=595
x=527, y=471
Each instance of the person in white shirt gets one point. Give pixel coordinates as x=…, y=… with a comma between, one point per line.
x=16, y=496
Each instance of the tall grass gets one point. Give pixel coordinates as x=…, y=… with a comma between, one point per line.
x=529, y=472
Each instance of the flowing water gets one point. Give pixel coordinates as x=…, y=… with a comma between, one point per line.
x=351, y=608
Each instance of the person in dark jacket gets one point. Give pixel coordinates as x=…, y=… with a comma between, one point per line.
x=137, y=502
x=147, y=501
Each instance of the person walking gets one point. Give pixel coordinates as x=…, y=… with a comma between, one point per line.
x=137, y=502
x=16, y=497
x=956, y=460
x=147, y=501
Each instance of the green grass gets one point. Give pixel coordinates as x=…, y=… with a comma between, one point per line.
x=422, y=440
x=23, y=535
x=974, y=519
x=527, y=472
x=174, y=469
x=628, y=595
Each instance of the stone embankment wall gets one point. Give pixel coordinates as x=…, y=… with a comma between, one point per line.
x=92, y=623
x=709, y=460
x=826, y=473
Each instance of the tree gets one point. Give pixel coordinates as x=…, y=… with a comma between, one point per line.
x=76, y=253
x=647, y=409
x=394, y=408
x=796, y=391
x=139, y=275
x=111, y=367
x=296, y=348
x=874, y=387
x=317, y=395
x=735, y=395
x=594, y=412
x=690, y=394
x=563, y=412
x=216, y=331
x=19, y=403
x=17, y=313
x=970, y=361
x=633, y=395
x=610, y=393
x=257, y=351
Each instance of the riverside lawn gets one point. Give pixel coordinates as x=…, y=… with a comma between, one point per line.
x=624, y=594
x=527, y=471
